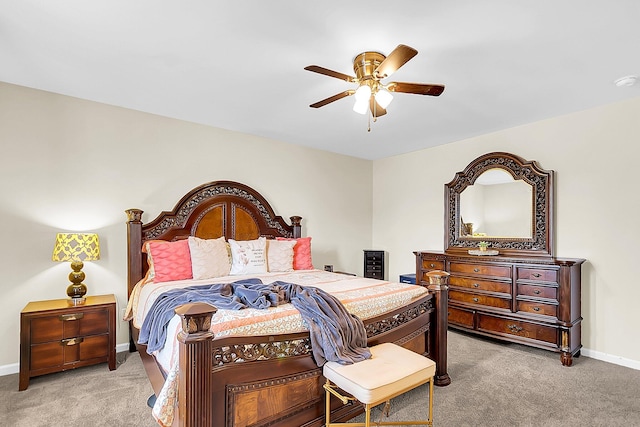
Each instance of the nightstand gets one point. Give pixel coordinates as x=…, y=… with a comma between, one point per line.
x=56, y=336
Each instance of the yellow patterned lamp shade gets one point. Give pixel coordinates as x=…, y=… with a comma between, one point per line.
x=76, y=247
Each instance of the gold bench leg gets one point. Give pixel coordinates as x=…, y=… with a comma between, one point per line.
x=329, y=390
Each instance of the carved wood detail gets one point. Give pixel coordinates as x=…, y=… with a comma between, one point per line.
x=204, y=194
x=389, y=323
x=260, y=351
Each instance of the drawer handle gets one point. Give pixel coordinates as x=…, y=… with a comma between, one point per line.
x=476, y=270
x=536, y=275
x=514, y=328
x=72, y=341
x=537, y=292
x=70, y=317
x=536, y=308
x=475, y=285
x=475, y=299
x=432, y=265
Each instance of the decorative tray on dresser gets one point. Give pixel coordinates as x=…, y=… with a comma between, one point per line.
x=522, y=293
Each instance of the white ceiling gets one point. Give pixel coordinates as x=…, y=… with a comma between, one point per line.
x=239, y=64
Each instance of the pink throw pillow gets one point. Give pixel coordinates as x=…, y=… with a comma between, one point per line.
x=301, y=253
x=171, y=260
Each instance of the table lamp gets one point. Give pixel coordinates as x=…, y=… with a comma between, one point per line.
x=76, y=247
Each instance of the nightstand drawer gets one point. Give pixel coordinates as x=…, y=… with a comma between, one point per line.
x=69, y=325
x=70, y=351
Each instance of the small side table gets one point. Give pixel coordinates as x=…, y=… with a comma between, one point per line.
x=56, y=336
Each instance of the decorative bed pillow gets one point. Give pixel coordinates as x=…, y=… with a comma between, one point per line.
x=248, y=256
x=280, y=255
x=169, y=260
x=209, y=257
x=301, y=253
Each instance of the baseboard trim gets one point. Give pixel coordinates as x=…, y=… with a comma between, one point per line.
x=14, y=368
x=616, y=360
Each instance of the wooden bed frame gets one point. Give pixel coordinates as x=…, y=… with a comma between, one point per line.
x=261, y=380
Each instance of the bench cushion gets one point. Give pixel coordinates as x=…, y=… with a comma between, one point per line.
x=390, y=371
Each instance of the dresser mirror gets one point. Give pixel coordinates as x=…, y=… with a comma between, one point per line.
x=497, y=205
x=504, y=200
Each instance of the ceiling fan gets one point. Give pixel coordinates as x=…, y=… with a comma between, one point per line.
x=370, y=69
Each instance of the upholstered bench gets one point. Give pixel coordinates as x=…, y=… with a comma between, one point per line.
x=391, y=371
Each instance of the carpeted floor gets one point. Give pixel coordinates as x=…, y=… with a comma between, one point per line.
x=494, y=384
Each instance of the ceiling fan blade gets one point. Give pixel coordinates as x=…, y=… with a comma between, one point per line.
x=376, y=109
x=332, y=98
x=417, y=88
x=330, y=73
x=396, y=59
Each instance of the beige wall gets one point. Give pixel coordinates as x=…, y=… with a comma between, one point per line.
x=65, y=165
x=69, y=164
x=595, y=155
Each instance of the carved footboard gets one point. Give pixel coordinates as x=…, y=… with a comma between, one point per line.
x=273, y=380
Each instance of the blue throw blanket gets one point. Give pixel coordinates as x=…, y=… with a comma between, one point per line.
x=336, y=335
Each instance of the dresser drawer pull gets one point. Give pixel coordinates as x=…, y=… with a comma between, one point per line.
x=72, y=341
x=536, y=308
x=536, y=275
x=475, y=299
x=537, y=292
x=475, y=285
x=70, y=317
x=476, y=270
x=514, y=328
x=432, y=265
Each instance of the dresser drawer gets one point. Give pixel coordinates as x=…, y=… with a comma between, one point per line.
x=486, y=300
x=537, y=274
x=548, y=292
x=538, y=308
x=69, y=325
x=430, y=264
x=488, y=323
x=459, y=316
x=484, y=285
x=480, y=269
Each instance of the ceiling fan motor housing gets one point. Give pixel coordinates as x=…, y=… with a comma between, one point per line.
x=366, y=63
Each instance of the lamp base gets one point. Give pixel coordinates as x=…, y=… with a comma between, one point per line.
x=77, y=301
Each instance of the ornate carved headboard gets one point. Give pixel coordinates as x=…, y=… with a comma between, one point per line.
x=219, y=208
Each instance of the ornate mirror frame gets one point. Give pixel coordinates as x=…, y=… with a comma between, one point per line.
x=541, y=241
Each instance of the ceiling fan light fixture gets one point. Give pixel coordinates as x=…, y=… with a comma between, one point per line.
x=384, y=97
x=361, y=106
x=363, y=93
x=362, y=96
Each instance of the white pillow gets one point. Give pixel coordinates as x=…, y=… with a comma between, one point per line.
x=209, y=257
x=280, y=255
x=248, y=256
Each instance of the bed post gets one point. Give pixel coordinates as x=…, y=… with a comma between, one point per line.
x=134, y=247
x=196, y=357
x=438, y=286
x=134, y=257
x=297, y=228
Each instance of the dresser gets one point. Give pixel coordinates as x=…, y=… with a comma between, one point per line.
x=374, y=264
x=56, y=336
x=528, y=300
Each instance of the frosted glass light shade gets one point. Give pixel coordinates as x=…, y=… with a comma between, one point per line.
x=384, y=98
x=362, y=95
